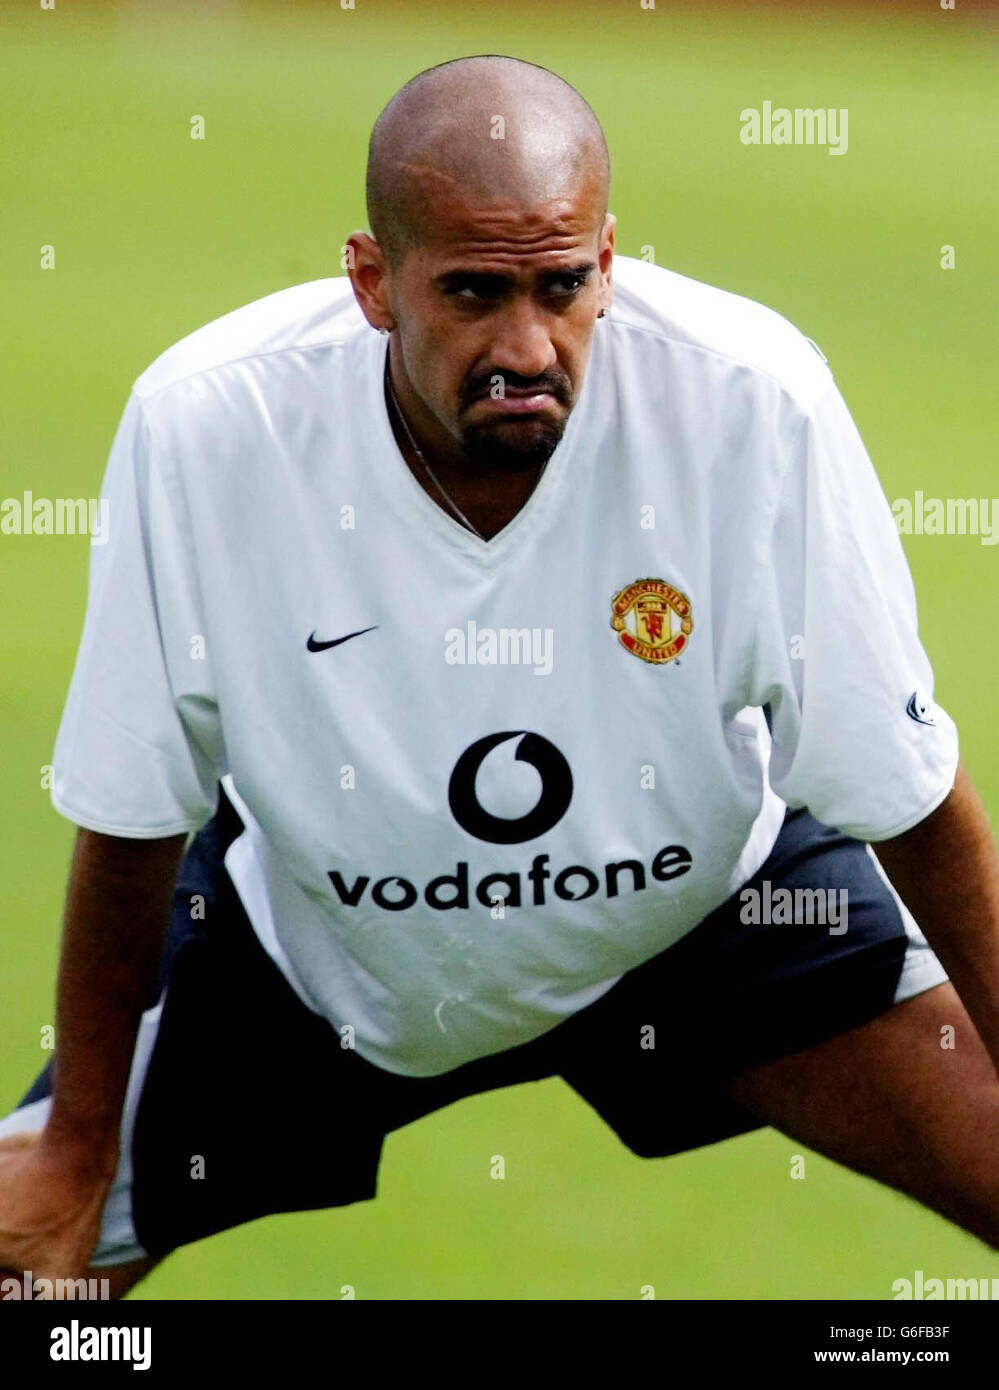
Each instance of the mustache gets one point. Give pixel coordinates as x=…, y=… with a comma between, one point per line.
x=555, y=383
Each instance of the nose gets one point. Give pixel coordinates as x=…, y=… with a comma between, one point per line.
x=521, y=341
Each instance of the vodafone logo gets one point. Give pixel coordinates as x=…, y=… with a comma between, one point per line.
x=551, y=806
x=515, y=886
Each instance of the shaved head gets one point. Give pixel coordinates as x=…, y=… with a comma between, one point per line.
x=488, y=264
x=496, y=129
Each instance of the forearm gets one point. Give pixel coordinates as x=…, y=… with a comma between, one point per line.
x=117, y=909
x=947, y=872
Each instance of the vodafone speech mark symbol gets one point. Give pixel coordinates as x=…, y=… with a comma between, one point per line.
x=556, y=790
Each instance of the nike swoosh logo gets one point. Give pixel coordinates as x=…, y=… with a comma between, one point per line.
x=315, y=646
x=916, y=710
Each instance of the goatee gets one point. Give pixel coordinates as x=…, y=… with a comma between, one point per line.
x=499, y=448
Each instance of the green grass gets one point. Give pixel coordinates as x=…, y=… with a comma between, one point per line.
x=155, y=234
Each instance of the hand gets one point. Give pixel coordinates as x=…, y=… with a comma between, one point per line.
x=50, y=1207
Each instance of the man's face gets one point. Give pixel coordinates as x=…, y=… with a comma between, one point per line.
x=494, y=315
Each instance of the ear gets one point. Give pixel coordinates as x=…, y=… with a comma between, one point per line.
x=605, y=260
x=368, y=271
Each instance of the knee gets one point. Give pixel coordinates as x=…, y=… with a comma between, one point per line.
x=117, y=1280
x=971, y=1199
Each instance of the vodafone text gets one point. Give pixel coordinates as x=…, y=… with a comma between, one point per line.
x=447, y=891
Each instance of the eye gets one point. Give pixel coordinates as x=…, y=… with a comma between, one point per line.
x=475, y=289
x=566, y=285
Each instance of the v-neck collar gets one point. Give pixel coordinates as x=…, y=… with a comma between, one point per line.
x=409, y=500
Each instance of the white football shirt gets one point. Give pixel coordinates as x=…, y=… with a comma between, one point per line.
x=482, y=780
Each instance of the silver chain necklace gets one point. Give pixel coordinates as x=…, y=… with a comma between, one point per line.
x=420, y=455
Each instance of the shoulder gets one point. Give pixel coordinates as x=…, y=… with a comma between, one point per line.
x=313, y=315
x=698, y=321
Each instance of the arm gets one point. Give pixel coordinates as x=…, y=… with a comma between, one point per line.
x=52, y=1190
x=946, y=870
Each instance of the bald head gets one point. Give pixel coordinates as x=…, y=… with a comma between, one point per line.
x=493, y=129
x=489, y=262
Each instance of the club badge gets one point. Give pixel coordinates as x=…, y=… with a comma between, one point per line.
x=652, y=620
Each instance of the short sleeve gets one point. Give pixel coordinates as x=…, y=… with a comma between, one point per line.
x=857, y=737
x=139, y=747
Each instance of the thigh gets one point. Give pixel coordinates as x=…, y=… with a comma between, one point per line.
x=741, y=990
x=893, y=1101
x=251, y=1104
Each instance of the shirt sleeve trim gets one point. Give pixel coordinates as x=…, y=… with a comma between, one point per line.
x=937, y=799
x=127, y=832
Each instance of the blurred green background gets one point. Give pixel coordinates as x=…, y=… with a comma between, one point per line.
x=156, y=233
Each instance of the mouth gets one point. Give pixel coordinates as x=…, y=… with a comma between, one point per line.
x=518, y=401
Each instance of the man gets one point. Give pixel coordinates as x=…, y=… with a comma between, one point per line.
x=520, y=634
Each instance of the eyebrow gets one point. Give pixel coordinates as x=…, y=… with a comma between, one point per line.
x=492, y=279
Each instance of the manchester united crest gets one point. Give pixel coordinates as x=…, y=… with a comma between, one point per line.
x=652, y=620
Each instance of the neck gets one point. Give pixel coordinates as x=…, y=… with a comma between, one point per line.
x=482, y=499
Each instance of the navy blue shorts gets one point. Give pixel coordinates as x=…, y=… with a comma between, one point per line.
x=236, y=1059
